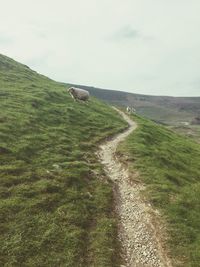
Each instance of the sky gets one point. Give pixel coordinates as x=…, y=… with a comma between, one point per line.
x=144, y=46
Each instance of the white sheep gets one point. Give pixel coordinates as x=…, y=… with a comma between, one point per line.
x=79, y=94
x=130, y=110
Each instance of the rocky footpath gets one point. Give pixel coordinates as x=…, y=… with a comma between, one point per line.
x=138, y=236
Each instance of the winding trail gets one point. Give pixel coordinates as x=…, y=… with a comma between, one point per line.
x=138, y=236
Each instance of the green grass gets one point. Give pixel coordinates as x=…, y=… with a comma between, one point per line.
x=56, y=208
x=170, y=167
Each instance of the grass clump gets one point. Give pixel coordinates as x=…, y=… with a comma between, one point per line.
x=55, y=209
x=169, y=165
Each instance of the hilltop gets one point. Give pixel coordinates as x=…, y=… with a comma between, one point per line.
x=162, y=109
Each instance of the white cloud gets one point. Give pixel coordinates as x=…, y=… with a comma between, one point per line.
x=71, y=41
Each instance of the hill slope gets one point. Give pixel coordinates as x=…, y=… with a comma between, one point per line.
x=55, y=207
x=163, y=109
x=169, y=165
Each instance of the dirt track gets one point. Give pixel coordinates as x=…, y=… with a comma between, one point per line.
x=138, y=236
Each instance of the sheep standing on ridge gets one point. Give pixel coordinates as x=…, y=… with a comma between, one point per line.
x=130, y=110
x=79, y=94
x=133, y=110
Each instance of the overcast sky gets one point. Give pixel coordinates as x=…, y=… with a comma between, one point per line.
x=141, y=46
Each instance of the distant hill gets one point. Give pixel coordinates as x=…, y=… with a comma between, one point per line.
x=162, y=109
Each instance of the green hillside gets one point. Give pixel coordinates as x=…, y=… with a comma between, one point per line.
x=55, y=205
x=170, y=167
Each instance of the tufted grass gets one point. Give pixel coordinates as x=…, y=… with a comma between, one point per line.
x=56, y=208
x=170, y=167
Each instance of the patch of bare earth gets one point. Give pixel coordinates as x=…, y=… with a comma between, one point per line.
x=138, y=235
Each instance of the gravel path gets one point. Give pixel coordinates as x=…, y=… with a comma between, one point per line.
x=137, y=235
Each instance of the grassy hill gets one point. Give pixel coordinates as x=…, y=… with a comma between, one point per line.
x=55, y=205
x=56, y=208
x=169, y=165
x=163, y=109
